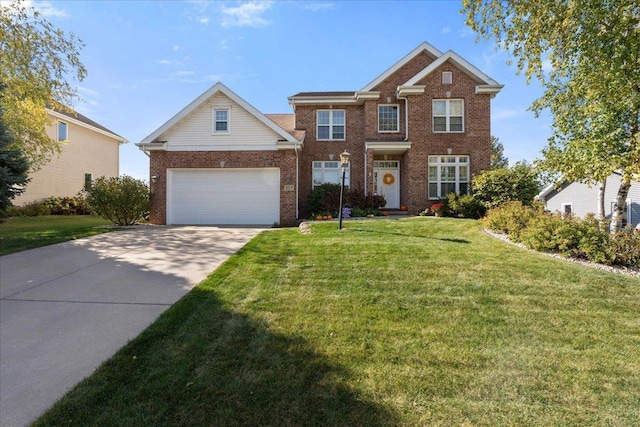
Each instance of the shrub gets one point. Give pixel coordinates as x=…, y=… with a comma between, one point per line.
x=511, y=218
x=326, y=198
x=68, y=205
x=29, y=209
x=123, y=200
x=466, y=206
x=498, y=186
x=625, y=247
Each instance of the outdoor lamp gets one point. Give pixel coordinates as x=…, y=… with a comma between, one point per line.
x=344, y=162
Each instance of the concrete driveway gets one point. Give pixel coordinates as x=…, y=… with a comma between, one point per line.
x=66, y=308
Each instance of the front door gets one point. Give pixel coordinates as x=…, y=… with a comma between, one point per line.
x=387, y=182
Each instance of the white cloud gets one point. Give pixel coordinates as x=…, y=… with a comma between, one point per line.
x=203, y=20
x=446, y=30
x=176, y=48
x=85, y=91
x=47, y=9
x=246, y=15
x=318, y=6
x=183, y=73
x=465, y=32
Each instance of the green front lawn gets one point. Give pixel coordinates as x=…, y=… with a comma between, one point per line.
x=425, y=321
x=21, y=233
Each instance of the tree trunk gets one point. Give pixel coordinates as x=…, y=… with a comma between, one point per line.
x=619, y=204
x=601, y=190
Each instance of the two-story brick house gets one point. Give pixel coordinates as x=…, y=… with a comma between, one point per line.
x=417, y=132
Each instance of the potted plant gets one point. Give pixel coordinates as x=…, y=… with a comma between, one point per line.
x=439, y=208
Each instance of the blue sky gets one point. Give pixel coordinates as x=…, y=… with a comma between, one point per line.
x=146, y=60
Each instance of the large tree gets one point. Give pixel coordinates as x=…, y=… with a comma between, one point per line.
x=13, y=167
x=586, y=55
x=37, y=62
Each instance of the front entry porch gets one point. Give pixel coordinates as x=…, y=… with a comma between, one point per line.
x=386, y=181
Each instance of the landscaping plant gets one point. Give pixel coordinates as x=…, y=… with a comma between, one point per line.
x=123, y=200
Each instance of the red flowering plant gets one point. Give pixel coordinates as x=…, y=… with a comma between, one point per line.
x=439, y=208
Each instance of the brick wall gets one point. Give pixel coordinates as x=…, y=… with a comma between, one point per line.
x=362, y=124
x=163, y=160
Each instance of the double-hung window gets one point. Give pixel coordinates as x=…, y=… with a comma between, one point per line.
x=448, y=174
x=388, y=118
x=329, y=173
x=331, y=125
x=448, y=115
x=62, y=131
x=221, y=120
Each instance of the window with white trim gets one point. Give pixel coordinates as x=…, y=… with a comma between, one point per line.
x=221, y=120
x=388, y=118
x=62, y=131
x=447, y=77
x=330, y=173
x=331, y=125
x=448, y=115
x=448, y=174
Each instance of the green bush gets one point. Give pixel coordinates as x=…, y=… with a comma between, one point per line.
x=511, y=218
x=326, y=198
x=29, y=209
x=123, y=200
x=465, y=205
x=498, y=186
x=68, y=205
x=626, y=249
x=575, y=237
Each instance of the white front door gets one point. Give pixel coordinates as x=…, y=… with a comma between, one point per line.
x=387, y=182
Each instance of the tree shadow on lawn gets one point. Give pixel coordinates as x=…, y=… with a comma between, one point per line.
x=395, y=233
x=202, y=364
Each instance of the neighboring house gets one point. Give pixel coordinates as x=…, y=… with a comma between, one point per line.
x=580, y=199
x=89, y=150
x=417, y=132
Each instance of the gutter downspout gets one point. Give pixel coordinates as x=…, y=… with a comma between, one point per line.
x=295, y=148
x=406, y=117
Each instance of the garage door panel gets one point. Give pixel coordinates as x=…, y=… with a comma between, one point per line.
x=224, y=196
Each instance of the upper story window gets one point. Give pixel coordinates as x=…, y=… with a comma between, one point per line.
x=448, y=115
x=388, y=118
x=62, y=131
x=331, y=125
x=330, y=173
x=447, y=77
x=448, y=174
x=221, y=120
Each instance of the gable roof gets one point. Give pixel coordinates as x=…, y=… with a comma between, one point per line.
x=488, y=85
x=82, y=120
x=395, y=67
x=212, y=91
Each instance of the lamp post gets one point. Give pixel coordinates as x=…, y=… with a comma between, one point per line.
x=344, y=162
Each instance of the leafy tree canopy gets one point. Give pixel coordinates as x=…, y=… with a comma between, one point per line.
x=586, y=55
x=498, y=160
x=36, y=61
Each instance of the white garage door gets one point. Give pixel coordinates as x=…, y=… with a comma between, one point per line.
x=223, y=196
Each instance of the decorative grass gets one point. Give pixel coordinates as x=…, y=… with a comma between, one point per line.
x=425, y=321
x=22, y=233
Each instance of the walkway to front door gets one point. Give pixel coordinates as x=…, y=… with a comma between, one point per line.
x=386, y=181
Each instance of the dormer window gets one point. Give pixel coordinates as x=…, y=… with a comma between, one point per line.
x=221, y=120
x=447, y=77
x=62, y=131
x=388, y=118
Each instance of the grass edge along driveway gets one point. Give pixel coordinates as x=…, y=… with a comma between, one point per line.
x=22, y=233
x=425, y=321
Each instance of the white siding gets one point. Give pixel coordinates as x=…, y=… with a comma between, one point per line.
x=584, y=200
x=195, y=132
